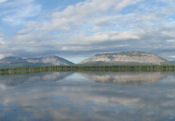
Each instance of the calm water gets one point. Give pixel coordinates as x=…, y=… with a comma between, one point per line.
x=88, y=97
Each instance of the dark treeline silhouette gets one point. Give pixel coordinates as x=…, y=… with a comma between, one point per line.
x=81, y=68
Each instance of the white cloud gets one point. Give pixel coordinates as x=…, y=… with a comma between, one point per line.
x=171, y=40
x=17, y=11
x=2, y=41
x=2, y=34
x=1, y=1
x=92, y=26
x=172, y=56
x=124, y=3
x=83, y=13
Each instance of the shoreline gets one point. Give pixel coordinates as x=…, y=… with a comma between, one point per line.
x=83, y=68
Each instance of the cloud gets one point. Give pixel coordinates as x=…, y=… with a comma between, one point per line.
x=2, y=40
x=75, y=16
x=1, y=1
x=2, y=34
x=90, y=27
x=17, y=11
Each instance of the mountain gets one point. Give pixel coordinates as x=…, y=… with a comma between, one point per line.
x=125, y=58
x=13, y=62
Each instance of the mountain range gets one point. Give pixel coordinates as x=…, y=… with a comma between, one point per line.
x=13, y=62
x=122, y=58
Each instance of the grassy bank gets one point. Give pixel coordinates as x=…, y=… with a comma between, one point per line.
x=117, y=68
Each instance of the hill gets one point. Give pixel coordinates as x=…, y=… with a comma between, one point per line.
x=125, y=58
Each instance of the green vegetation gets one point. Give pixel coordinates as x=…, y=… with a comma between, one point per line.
x=82, y=68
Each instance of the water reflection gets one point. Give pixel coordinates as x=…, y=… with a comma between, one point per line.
x=77, y=98
x=19, y=79
x=126, y=78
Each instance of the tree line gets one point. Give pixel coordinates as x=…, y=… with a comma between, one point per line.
x=81, y=68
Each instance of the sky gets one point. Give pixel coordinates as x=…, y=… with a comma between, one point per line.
x=78, y=29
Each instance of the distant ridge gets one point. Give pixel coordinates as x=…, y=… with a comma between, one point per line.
x=125, y=58
x=14, y=62
x=122, y=58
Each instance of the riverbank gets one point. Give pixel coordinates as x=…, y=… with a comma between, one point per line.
x=116, y=68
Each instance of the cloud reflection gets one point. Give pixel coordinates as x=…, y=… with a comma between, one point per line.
x=72, y=99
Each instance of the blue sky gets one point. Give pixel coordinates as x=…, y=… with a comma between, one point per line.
x=77, y=29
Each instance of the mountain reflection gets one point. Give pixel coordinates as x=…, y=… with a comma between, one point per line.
x=126, y=78
x=13, y=80
x=52, y=97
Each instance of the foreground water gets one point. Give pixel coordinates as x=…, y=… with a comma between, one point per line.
x=88, y=97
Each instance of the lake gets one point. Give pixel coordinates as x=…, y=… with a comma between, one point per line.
x=102, y=96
